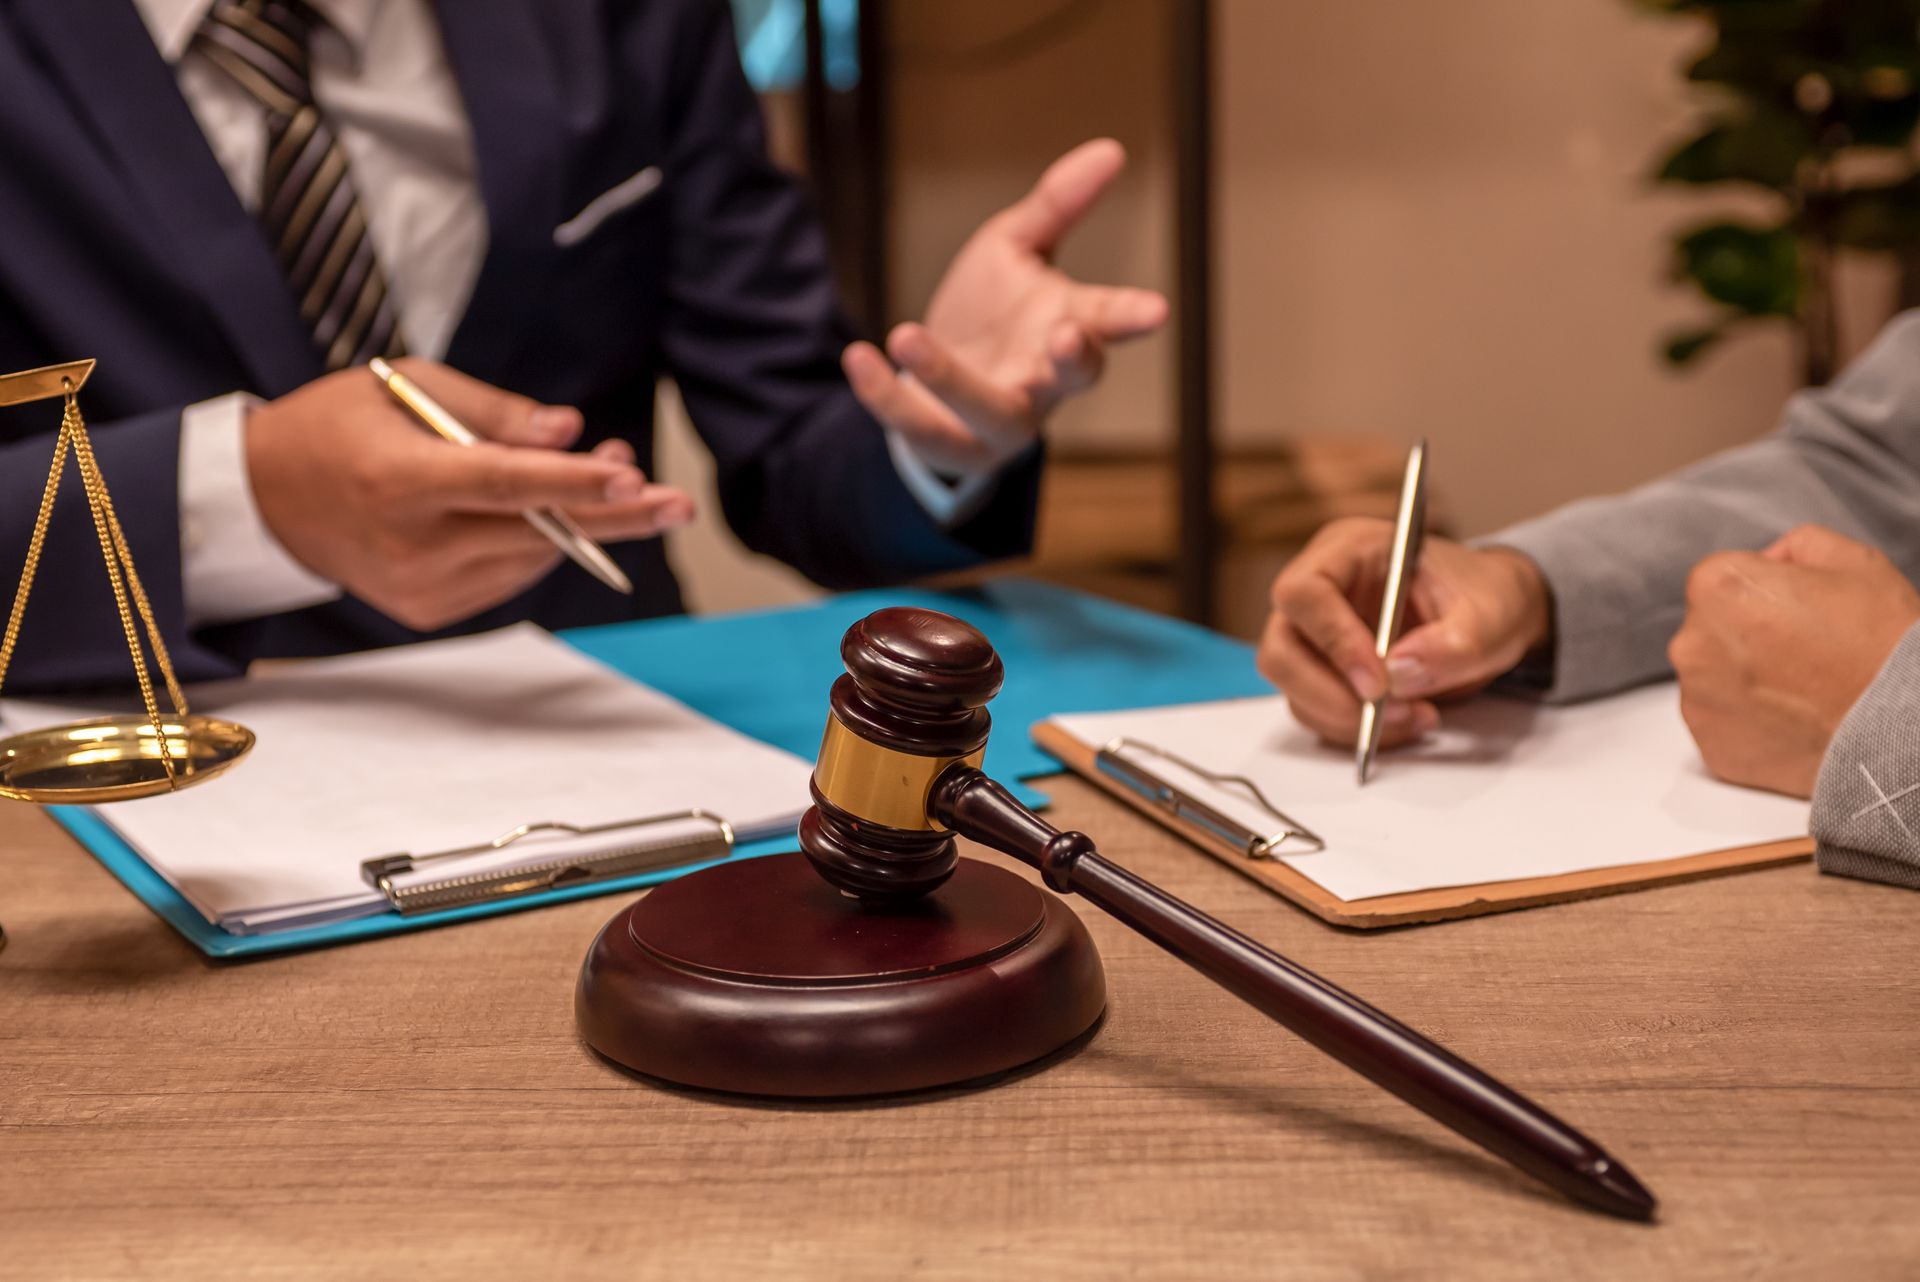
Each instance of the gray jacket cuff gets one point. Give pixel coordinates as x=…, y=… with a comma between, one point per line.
x=1610, y=626
x=1866, y=805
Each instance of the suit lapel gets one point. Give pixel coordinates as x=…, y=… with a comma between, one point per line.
x=503, y=62
x=127, y=93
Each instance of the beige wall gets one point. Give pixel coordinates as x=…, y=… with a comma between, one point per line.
x=1433, y=220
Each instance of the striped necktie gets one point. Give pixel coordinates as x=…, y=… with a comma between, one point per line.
x=307, y=201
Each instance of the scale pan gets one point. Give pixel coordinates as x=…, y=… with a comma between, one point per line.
x=116, y=758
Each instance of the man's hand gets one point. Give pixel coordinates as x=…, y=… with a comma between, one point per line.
x=1471, y=616
x=1008, y=336
x=1778, y=646
x=426, y=532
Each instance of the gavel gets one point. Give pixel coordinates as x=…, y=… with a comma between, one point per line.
x=899, y=779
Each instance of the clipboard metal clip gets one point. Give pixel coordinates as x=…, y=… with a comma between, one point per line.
x=689, y=837
x=1291, y=837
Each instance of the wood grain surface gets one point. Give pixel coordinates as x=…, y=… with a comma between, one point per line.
x=420, y=1107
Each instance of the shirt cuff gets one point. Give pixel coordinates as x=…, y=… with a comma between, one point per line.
x=231, y=566
x=948, y=502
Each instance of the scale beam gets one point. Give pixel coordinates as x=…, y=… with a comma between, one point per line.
x=44, y=383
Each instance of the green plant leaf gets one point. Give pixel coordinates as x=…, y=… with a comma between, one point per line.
x=1755, y=270
x=1682, y=346
x=1766, y=149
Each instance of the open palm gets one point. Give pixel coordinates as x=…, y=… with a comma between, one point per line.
x=1008, y=335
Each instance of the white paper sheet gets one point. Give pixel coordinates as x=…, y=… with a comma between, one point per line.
x=1505, y=790
x=425, y=748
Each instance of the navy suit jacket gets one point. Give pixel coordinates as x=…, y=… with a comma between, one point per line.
x=121, y=239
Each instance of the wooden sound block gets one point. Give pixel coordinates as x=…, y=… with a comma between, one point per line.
x=758, y=977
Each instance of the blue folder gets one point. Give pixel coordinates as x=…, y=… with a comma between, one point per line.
x=766, y=673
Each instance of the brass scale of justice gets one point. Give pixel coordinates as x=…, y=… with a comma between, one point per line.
x=114, y=757
x=831, y=971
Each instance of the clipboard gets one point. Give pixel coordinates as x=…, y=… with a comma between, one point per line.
x=1131, y=778
x=125, y=863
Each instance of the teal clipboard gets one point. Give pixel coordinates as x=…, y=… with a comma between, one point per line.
x=766, y=673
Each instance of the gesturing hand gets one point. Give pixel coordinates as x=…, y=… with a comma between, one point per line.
x=426, y=532
x=1778, y=646
x=1008, y=336
x=1472, y=615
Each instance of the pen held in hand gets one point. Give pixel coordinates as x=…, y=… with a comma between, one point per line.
x=1409, y=523
x=560, y=529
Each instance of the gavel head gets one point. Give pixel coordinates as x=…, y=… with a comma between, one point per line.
x=911, y=705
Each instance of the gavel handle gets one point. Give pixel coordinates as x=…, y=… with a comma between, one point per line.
x=1369, y=1041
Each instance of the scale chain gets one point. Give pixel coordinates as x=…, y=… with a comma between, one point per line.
x=121, y=574
x=140, y=602
x=71, y=424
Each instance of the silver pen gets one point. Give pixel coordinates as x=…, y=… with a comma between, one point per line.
x=561, y=530
x=1408, y=525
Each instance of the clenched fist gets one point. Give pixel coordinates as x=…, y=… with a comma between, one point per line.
x=1778, y=646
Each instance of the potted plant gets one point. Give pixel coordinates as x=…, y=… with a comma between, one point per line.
x=1814, y=102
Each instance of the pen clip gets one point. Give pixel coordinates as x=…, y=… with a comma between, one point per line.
x=1111, y=762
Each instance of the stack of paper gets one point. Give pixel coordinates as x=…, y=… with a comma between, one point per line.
x=1505, y=790
x=427, y=748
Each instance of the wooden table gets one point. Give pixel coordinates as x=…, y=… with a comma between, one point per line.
x=419, y=1107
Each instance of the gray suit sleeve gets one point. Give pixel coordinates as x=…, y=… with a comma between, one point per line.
x=1846, y=456
x=1866, y=805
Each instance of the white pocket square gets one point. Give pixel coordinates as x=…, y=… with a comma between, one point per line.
x=604, y=206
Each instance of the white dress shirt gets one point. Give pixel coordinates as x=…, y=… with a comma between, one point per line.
x=381, y=76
